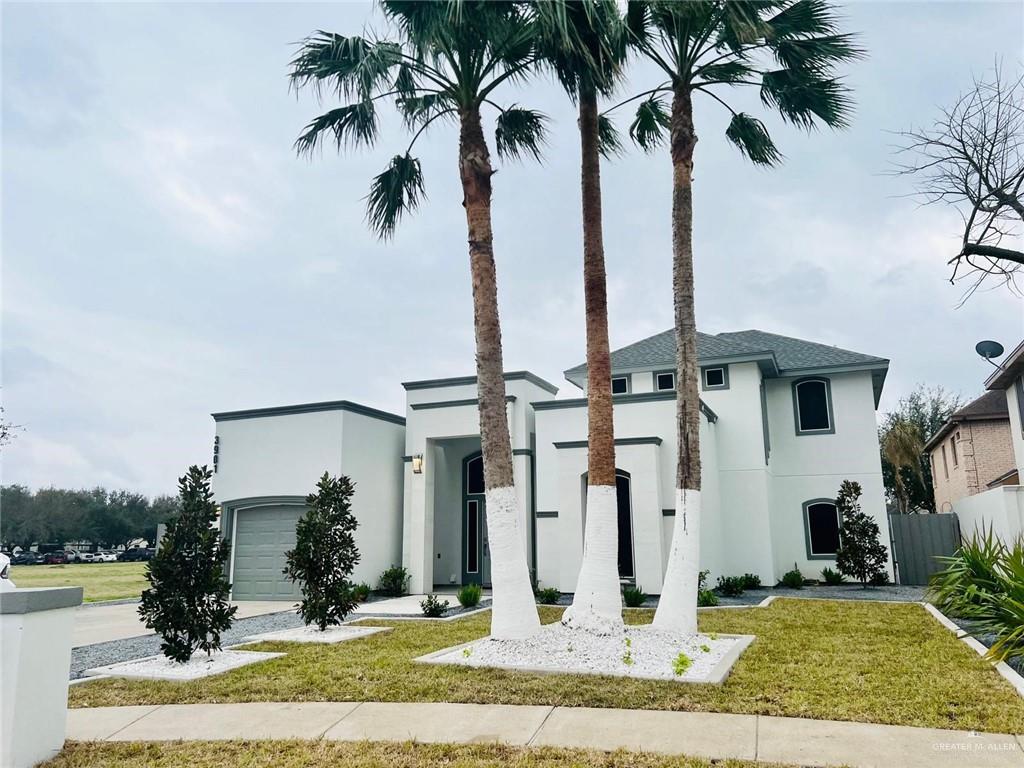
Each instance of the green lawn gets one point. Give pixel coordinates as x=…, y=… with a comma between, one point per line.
x=841, y=660
x=300, y=754
x=102, y=581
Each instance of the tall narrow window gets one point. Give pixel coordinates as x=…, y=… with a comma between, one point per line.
x=1019, y=386
x=472, y=536
x=952, y=447
x=812, y=401
x=945, y=463
x=821, y=524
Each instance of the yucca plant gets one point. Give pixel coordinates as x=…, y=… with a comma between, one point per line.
x=983, y=583
x=449, y=60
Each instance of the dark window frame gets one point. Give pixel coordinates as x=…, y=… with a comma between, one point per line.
x=800, y=431
x=811, y=555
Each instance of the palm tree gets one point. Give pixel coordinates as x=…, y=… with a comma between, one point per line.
x=903, y=446
x=583, y=42
x=448, y=62
x=789, y=48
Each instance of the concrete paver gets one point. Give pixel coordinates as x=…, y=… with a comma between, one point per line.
x=103, y=623
x=257, y=720
x=100, y=723
x=441, y=723
x=867, y=745
x=699, y=734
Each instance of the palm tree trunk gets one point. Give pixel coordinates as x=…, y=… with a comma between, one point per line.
x=514, y=612
x=597, y=602
x=677, y=607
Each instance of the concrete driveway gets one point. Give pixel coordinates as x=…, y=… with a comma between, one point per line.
x=101, y=623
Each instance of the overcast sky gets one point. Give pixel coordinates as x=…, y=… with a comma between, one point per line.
x=166, y=255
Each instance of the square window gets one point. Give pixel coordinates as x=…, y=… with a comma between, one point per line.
x=620, y=385
x=714, y=377
x=664, y=382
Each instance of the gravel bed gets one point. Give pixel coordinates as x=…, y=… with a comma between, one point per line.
x=987, y=639
x=199, y=666
x=451, y=613
x=640, y=652
x=102, y=654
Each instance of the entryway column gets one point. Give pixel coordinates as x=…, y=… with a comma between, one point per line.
x=419, y=536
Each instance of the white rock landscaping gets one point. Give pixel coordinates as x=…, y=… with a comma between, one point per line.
x=199, y=666
x=311, y=634
x=640, y=652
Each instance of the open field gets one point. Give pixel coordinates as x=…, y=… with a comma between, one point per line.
x=102, y=581
x=859, y=661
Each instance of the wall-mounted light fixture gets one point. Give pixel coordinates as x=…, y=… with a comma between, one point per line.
x=417, y=464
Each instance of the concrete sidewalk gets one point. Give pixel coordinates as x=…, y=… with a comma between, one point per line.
x=701, y=734
x=103, y=622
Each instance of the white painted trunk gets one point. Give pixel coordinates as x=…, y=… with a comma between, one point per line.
x=597, y=604
x=513, y=608
x=677, y=606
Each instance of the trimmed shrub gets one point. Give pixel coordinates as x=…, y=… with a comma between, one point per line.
x=861, y=554
x=433, y=608
x=361, y=592
x=469, y=595
x=325, y=553
x=878, y=579
x=751, y=581
x=705, y=597
x=394, y=582
x=830, y=577
x=793, y=579
x=730, y=586
x=633, y=597
x=548, y=596
x=187, y=600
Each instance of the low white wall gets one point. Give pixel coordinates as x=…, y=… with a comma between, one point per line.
x=1000, y=509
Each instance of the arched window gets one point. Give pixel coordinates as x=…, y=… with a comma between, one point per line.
x=475, y=475
x=821, y=528
x=812, y=405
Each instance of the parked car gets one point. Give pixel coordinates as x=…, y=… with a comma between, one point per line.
x=87, y=557
x=55, y=558
x=27, y=558
x=71, y=555
x=136, y=555
x=107, y=556
x=5, y=572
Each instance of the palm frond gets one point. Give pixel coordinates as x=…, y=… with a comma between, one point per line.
x=819, y=54
x=394, y=192
x=650, y=125
x=350, y=66
x=726, y=72
x=742, y=25
x=520, y=132
x=803, y=18
x=751, y=137
x=801, y=97
x=583, y=42
x=417, y=110
x=351, y=125
x=608, y=139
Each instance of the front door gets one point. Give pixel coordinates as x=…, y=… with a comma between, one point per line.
x=476, y=554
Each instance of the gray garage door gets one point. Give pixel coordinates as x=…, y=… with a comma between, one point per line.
x=262, y=536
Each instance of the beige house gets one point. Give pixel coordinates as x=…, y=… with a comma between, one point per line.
x=973, y=452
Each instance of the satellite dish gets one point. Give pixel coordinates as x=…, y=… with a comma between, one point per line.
x=989, y=349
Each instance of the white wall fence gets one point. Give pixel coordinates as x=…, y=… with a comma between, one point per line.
x=999, y=509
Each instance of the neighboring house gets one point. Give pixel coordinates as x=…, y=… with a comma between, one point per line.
x=1000, y=506
x=784, y=422
x=973, y=451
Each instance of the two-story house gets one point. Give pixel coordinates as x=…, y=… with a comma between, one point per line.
x=784, y=422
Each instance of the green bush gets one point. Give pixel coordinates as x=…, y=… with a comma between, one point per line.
x=751, y=581
x=730, y=586
x=469, y=595
x=187, y=600
x=831, y=577
x=548, y=595
x=394, y=582
x=633, y=597
x=879, y=579
x=361, y=592
x=793, y=579
x=984, y=583
x=705, y=597
x=325, y=553
x=433, y=608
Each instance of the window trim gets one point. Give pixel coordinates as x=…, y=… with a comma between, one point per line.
x=952, y=447
x=828, y=403
x=945, y=462
x=806, y=507
x=629, y=383
x=665, y=373
x=704, y=377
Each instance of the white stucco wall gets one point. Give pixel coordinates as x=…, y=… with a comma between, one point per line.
x=1016, y=432
x=999, y=510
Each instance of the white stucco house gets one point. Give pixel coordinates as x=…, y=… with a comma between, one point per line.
x=785, y=421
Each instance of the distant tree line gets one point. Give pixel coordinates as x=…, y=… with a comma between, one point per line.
x=58, y=515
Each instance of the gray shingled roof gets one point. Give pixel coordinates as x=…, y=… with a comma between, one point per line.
x=789, y=354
